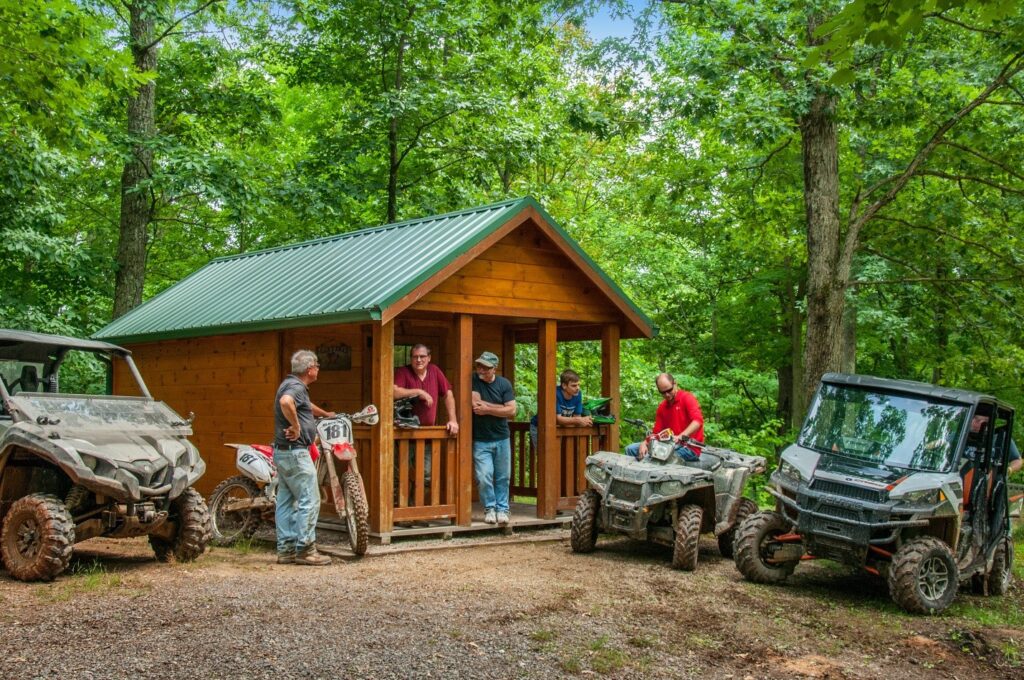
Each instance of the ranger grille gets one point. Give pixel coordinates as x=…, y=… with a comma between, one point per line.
x=848, y=490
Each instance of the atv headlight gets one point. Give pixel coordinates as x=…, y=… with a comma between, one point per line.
x=921, y=497
x=670, y=487
x=88, y=461
x=595, y=475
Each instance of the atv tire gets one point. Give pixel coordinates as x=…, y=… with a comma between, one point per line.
x=750, y=548
x=923, y=576
x=358, y=509
x=687, y=543
x=583, y=533
x=228, y=528
x=37, y=538
x=726, y=539
x=190, y=512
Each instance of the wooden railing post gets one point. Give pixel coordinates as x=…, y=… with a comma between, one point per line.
x=548, y=452
x=610, y=385
x=382, y=386
x=464, y=406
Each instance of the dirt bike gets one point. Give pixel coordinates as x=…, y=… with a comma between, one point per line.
x=240, y=504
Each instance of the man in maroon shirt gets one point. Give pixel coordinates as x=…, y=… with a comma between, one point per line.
x=680, y=413
x=427, y=384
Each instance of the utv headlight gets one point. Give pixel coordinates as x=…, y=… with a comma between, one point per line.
x=88, y=461
x=922, y=497
x=788, y=471
x=670, y=487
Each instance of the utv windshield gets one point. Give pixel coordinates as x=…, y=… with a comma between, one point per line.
x=81, y=413
x=884, y=429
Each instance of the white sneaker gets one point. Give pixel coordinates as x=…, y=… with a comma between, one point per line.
x=489, y=517
x=503, y=518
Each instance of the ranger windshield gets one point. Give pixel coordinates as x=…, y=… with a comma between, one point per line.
x=884, y=429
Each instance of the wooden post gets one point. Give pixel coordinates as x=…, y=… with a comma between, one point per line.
x=382, y=388
x=507, y=367
x=549, y=465
x=464, y=406
x=610, y=384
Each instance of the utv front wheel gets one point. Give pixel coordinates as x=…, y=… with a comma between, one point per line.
x=684, y=552
x=754, y=545
x=583, y=534
x=37, y=538
x=189, y=511
x=923, y=577
x=726, y=539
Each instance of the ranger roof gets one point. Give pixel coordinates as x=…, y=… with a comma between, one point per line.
x=911, y=387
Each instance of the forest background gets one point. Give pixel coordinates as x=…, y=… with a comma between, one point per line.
x=785, y=187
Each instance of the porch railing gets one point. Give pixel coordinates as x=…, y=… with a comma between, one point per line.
x=573, y=445
x=419, y=495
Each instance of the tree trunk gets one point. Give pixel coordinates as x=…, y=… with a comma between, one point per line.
x=394, y=157
x=826, y=282
x=849, y=360
x=136, y=204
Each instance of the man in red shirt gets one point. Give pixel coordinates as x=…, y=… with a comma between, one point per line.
x=680, y=413
x=428, y=385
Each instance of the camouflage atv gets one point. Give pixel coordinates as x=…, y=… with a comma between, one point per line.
x=664, y=499
x=76, y=466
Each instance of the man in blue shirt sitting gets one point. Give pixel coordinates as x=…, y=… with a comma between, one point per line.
x=568, y=404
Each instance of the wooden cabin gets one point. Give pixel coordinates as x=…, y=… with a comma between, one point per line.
x=219, y=342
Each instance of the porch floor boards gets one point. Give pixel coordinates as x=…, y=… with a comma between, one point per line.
x=522, y=515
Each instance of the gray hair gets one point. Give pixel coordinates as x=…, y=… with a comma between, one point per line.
x=303, y=360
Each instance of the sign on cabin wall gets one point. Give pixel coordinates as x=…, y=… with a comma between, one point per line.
x=336, y=357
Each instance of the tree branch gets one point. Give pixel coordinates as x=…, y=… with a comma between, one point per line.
x=1012, y=68
x=188, y=15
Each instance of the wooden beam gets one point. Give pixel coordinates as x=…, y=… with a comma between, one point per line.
x=549, y=469
x=463, y=382
x=382, y=463
x=508, y=357
x=610, y=380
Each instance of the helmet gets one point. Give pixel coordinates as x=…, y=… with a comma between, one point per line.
x=404, y=416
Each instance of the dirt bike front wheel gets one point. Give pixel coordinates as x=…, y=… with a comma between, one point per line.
x=357, y=512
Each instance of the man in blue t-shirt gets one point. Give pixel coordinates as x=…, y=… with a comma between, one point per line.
x=568, y=404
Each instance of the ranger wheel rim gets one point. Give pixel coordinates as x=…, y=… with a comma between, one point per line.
x=27, y=539
x=934, y=578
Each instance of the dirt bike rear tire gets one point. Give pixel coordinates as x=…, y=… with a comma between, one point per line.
x=358, y=519
x=247, y=523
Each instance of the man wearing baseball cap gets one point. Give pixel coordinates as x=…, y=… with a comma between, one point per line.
x=494, y=403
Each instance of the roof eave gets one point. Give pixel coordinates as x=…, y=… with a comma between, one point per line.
x=354, y=316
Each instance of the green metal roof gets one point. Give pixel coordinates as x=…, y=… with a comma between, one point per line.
x=345, y=278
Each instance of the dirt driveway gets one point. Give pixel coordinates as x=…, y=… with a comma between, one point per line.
x=530, y=610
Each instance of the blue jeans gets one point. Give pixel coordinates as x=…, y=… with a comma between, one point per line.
x=683, y=452
x=492, y=463
x=298, y=500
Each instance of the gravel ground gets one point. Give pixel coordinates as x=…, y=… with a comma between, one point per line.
x=508, y=610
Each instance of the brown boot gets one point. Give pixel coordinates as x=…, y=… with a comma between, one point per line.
x=286, y=558
x=312, y=558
